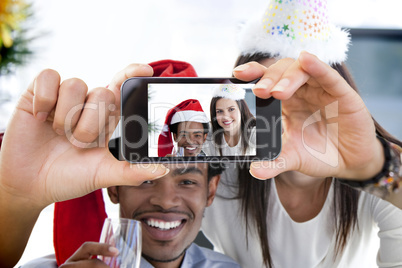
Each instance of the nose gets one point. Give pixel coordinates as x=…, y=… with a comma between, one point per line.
x=225, y=115
x=166, y=197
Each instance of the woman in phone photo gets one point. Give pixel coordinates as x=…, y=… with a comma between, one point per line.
x=233, y=125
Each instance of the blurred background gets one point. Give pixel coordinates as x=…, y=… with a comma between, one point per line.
x=93, y=40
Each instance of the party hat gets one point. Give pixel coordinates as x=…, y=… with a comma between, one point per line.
x=230, y=91
x=288, y=27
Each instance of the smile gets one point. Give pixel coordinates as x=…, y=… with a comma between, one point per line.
x=163, y=229
x=163, y=225
x=190, y=148
x=227, y=122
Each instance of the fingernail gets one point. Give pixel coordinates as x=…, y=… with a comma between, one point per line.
x=42, y=116
x=255, y=177
x=241, y=68
x=263, y=83
x=114, y=250
x=255, y=165
x=281, y=85
x=161, y=167
x=147, y=67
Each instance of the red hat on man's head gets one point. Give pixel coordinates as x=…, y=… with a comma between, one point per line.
x=188, y=110
x=173, y=68
x=79, y=220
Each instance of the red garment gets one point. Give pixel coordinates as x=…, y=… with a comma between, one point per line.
x=1, y=138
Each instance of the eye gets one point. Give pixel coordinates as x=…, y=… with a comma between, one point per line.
x=218, y=111
x=231, y=109
x=187, y=182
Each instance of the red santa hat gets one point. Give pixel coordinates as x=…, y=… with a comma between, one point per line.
x=188, y=110
x=79, y=220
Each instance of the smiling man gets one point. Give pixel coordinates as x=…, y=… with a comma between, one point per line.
x=189, y=125
x=171, y=210
x=190, y=136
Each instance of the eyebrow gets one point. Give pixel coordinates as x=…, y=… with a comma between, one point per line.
x=189, y=170
x=220, y=109
x=198, y=131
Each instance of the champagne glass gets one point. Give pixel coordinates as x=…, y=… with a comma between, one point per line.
x=125, y=235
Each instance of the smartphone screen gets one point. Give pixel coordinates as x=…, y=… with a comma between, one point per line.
x=197, y=120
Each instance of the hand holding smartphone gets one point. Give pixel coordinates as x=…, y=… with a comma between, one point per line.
x=197, y=120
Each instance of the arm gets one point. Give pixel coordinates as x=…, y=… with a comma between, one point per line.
x=388, y=181
x=55, y=148
x=389, y=221
x=328, y=131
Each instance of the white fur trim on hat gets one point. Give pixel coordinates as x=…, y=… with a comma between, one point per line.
x=230, y=91
x=290, y=26
x=184, y=116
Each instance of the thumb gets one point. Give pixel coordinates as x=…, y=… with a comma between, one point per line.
x=269, y=169
x=114, y=172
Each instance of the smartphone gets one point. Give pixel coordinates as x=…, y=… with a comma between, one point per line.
x=189, y=120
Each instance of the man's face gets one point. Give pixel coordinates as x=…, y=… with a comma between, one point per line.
x=190, y=136
x=170, y=209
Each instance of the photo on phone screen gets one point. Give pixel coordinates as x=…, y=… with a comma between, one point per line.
x=197, y=119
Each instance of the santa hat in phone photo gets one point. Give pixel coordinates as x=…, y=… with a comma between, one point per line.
x=81, y=219
x=188, y=110
x=287, y=27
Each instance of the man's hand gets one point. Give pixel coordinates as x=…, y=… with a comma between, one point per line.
x=328, y=130
x=55, y=148
x=83, y=257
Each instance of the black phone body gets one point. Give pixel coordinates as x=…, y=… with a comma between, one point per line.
x=146, y=101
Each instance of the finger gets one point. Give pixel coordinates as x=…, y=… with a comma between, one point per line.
x=45, y=91
x=89, y=249
x=93, y=263
x=131, y=70
x=324, y=75
x=111, y=172
x=269, y=76
x=94, y=116
x=254, y=70
x=332, y=83
x=72, y=94
x=269, y=169
x=249, y=71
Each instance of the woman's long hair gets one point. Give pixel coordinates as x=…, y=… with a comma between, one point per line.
x=254, y=193
x=247, y=123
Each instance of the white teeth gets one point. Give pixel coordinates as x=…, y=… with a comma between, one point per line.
x=163, y=225
x=228, y=122
x=190, y=148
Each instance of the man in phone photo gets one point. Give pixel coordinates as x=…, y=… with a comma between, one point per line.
x=189, y=126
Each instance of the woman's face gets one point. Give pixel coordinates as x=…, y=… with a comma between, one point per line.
x=228, y=115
